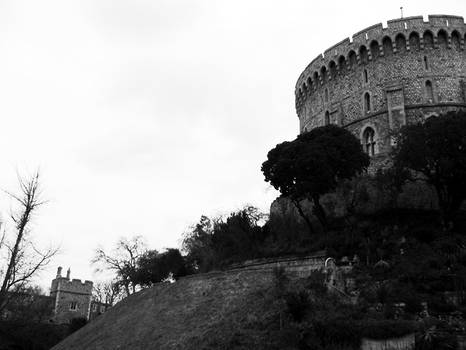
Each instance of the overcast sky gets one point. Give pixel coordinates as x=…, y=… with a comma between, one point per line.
x=143, y=115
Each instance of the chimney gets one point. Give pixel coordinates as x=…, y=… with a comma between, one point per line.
x=59, y=271
x=68, y=274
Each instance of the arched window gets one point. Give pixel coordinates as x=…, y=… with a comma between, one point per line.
x=426, y=63
x=442, y=39
x=342, y=64
x=327, y=118
x=400, y=42
x=326, y=96
x=455, y=40
x=323, y=73
x=387, y=46
x=428, y=40
x=368, y=141
x=414, y=42
x=363, y=54
x=375, y=51
x=316, y=79
x=309, y=84
x=352, y=59
x=333, y=69
x=366, y=77
x=367, y=102
x=429, y=91
x=305, y=92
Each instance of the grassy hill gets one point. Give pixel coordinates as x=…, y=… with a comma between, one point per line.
x=219, y=310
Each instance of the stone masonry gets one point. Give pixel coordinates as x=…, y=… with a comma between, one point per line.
x=385, y=77
x=72, y=298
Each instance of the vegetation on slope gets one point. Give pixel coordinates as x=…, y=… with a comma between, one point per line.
x=405, y=259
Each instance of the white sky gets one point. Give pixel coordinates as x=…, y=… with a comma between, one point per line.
x=143, y=115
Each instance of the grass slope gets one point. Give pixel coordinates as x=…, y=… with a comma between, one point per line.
x=227, y=310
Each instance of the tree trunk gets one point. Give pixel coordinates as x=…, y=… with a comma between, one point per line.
x=319, y=212
x=304, y=216
x=449, y=205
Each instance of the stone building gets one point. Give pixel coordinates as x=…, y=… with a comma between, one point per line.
x=72, y=298
x=97, y=309
x=385, y=77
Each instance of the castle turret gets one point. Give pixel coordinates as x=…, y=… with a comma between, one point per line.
x=384, y=77
x=72, y=297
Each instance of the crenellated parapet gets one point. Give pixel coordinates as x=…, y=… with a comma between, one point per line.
x=376, y=42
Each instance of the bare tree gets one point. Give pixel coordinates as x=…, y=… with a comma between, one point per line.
x=22, y=259
x=123, y=261
x=108, y=292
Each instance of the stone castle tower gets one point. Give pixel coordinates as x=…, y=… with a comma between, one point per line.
x=385, y=77
x=72, y=298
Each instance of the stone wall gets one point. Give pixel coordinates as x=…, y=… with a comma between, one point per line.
x=408, y=70
x=403, y=343
x=72, y=298
x=298, y=267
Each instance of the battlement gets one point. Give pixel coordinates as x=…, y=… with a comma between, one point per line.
x=72, y=286
x=367, y=44
x=65, y=284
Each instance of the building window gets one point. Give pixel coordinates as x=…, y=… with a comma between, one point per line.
x=426, y=63
x=327, y=118
x=429, y=91
x=94, y=307
x=366, y=77
x=102, y=308
x=326, y=95
x=368, y=138
x=73, y=306
x=367, y=102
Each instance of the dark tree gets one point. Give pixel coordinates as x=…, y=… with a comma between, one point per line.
x=239, y=236
x=213, y=243
x=312, y=165
x=436, y=150
x=197, y=244
x=154, y=267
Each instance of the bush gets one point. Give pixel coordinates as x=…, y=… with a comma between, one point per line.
x=76, y=323
x=342, y=332
x=385, y=329
x=298, y=304
x=435, y=335
x=317, y=282
x=30, y=335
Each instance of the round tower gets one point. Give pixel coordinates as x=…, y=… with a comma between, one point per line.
x=385, y=77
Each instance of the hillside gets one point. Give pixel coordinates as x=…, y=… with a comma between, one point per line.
x=189, y=314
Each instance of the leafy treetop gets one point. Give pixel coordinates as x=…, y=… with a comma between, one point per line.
x=313, y=164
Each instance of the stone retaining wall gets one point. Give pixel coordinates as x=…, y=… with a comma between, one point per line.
x=402, y=343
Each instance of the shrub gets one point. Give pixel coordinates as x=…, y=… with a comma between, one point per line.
x=435, y=335
x=385, y=329
x=332, y=334
x=31, y=335
x=317, y=282
x=298, y=304
x=280, y=279
x=76, y=323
